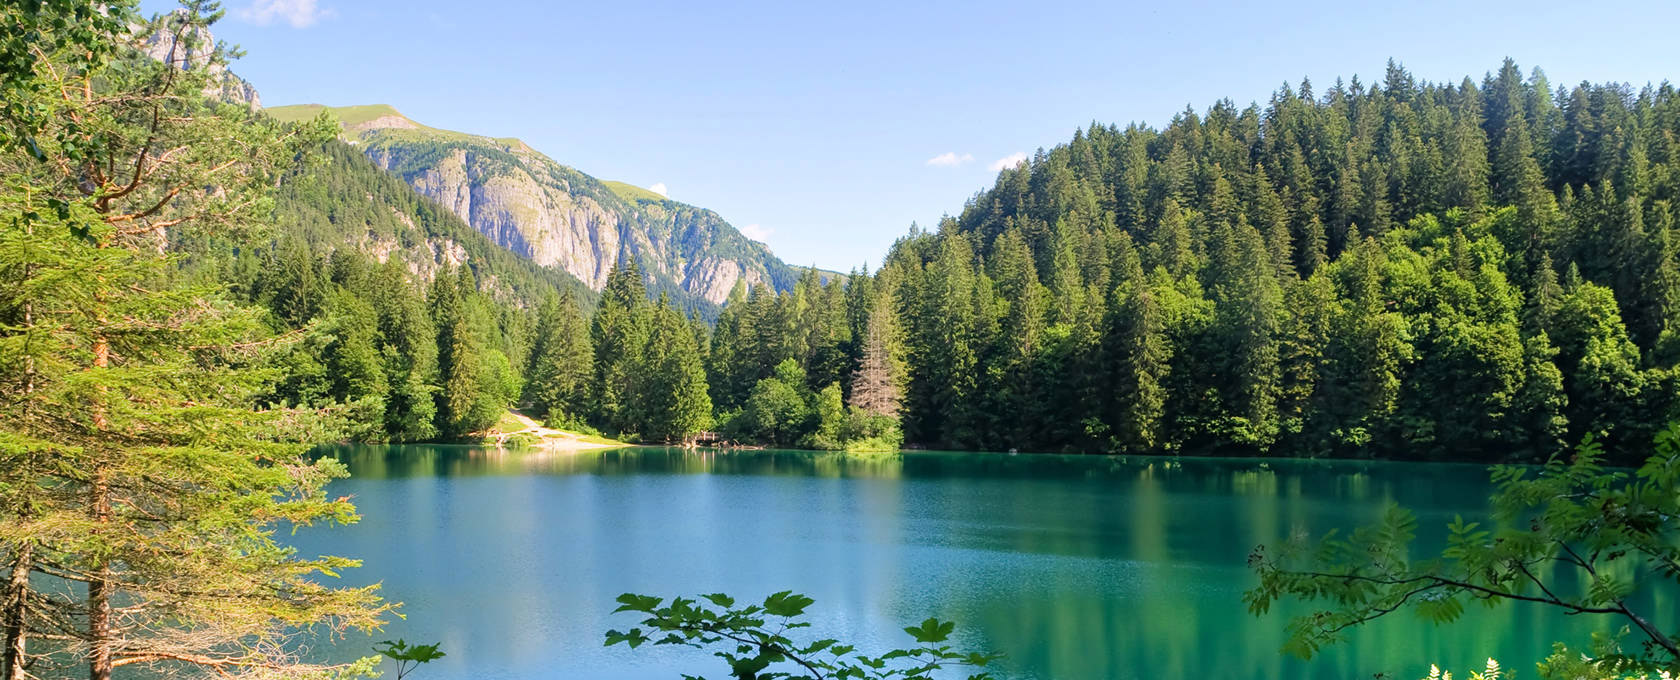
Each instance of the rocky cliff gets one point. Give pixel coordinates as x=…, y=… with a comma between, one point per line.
x=555, y=215
x=193, y=47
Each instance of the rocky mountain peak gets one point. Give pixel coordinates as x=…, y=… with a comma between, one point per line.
x=194, y=47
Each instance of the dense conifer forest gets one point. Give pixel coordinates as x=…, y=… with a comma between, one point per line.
x=1478, y=271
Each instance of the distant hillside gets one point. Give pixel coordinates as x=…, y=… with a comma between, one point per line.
x=556, y=215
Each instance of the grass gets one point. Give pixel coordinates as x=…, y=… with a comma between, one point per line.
x=349, y=115
x=631, y=192
x=873, y=445
x=352, y=116
x=597, y=439
x=509, y=423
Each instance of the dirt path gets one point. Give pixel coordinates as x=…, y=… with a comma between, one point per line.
x=549, y=437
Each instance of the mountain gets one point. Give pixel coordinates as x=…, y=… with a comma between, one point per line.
x=349, y=203
x=556, y=215
x=191, y=48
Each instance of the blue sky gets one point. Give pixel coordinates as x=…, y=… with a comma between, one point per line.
x=825, y=129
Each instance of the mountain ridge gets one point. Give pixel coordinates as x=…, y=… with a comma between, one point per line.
x=555, y=214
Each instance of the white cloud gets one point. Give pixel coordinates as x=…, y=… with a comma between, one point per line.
x=659, y=188
x=757, y=232
x=297, y=13
x=1009, y=161
x=950, y=159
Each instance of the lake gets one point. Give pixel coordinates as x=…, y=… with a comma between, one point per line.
x=1076, y=567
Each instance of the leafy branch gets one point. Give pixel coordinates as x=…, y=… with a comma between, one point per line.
x=408, y=657
x=1573, y=522
x=754, y=640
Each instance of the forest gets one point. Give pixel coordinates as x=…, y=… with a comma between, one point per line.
x=1471, y=271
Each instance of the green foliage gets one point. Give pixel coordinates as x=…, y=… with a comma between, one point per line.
x=1491, y=672
x=619, y=333
x=1574, y=521
x=671, y=383
x=869, y=432
x=779, y=410
x=408, y=657
x=632, y=193
x=141, y=484
x=1373, y=272
x=755, y=640
x=830, y=414
x=558, y=380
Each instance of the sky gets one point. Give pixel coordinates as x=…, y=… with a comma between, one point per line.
x=825, y=129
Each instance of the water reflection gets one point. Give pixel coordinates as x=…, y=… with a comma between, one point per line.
x=1076, y=567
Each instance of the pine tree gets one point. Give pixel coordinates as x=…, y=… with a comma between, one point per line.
x=1016, y=391
x=1304, y=336
x=1272, y=218
x=1466, y=150
x=619, y=335
x=1600, y=364
x=1519, y=182
x=1171, y=247
x=1249, y=304
x=1545, y=299
x=139, y=488
x=557, y=382
x=672, y=391
x=1366, y=355
x=729, y=350
x=461, y=369
x=944, y=358
x=409, y=349
x=1145, y=357
x=357, y=371
x=877, y=384
x=1538, y=407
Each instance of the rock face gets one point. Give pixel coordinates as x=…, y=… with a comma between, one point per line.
x=192, y=48
x=558, y=216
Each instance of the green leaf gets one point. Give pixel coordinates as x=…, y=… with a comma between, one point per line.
x=786, y=603
x=932, y=630
x=631, y=602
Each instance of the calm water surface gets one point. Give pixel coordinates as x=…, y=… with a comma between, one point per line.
x=1077, y=568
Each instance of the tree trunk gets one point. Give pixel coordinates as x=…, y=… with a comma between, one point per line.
x=15, y=654
x=99, y=589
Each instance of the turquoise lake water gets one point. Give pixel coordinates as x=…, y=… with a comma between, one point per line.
x=1076, y=568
